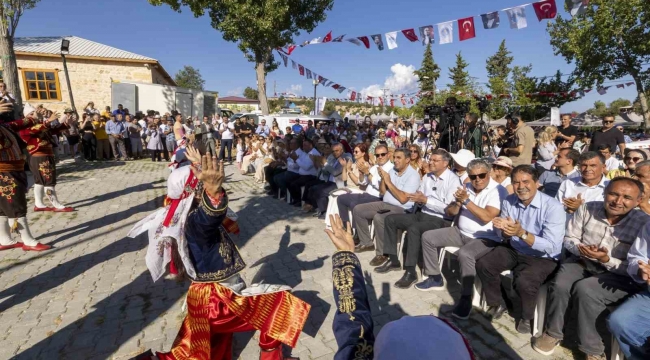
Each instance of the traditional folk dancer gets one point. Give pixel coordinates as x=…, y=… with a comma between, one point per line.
x=13, y=183
x=189, y=235
x=39, y=139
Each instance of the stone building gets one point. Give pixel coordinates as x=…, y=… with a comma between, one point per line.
x=92, y=68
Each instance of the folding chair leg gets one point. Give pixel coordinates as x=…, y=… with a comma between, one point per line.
x=616, y=353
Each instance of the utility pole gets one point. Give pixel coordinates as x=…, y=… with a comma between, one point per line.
x=274, y=90
x=383, y=104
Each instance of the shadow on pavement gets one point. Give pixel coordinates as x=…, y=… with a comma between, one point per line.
x=115, y=194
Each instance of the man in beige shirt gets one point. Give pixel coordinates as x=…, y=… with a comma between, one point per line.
x=522, y=153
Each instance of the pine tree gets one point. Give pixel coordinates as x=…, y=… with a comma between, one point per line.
x=459, y=77
x=427, y=74
x=498, y=69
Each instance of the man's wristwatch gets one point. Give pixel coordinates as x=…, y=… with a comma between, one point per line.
x=524, y=236
x=466, y=201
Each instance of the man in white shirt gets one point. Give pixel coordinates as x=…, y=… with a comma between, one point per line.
x=306, y=170
x=611, y=162
x=589, y=187
x=280, y=180
x=371, y=181
x=227, y=131
x=435, y=193
x=396, y=186
x=475, y=204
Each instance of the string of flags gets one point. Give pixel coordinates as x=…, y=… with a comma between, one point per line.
x=410, y=98
x=545, y=9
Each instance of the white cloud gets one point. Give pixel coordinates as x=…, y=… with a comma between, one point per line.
x=236, y=92
x=401, y=80
x=296, y=89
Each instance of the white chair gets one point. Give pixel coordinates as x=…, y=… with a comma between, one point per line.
x=477, y=299
x=302, y=191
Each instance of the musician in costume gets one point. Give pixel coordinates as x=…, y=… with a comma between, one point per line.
x=39, y=139
x=189, y=236
x=13, y=182
x=411, y=337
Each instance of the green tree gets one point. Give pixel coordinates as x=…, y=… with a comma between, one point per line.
x=250, y=93
x=10, y=13
x=615, y=105
x=460, y=78
x=599, y=109
x=258, y=27
x=498, y=69
x=189, y=78
x=555, y=84
x=609, y=41
x=427, y=74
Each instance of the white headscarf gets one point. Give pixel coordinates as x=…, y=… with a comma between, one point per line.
x=160, y=245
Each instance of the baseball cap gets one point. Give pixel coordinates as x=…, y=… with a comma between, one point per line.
x=463, y=157
x=503, y=161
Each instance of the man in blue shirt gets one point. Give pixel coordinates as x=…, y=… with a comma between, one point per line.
x=119, y=110
x=116, y=130
x=297, y=128
x=565, y=168
x=532, y=227
x=262, y=129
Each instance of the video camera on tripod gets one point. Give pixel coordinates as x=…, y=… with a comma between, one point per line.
x=450, y=118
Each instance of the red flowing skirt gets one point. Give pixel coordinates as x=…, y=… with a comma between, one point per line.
x=214, y=313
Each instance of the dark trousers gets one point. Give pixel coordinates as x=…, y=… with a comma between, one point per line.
x=155, y=155
x=306, y=195
x=165, y=150
x=590, y=288
x=282, y=180
x=347, y=202
x=226, y=144
x=15, y=205
x=127, y=146
x=295, y=185
x=90, y=146
x=319, y=195
x=415, y=225
x=529, y=273
x=269, y=176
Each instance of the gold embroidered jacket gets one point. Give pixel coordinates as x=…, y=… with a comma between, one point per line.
x=214, y=255
x=39, y=138
x=353, y=327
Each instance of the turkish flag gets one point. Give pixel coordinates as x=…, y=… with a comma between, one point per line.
x=545, y=9
x=466, y=29
x=302, y=70
x=290, y=49
x=410, y=34
x=365, y=41
x=327, y=37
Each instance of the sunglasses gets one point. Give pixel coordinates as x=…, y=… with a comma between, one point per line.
x=607, y=122
x=480, y=176
x=381, y=155
x=635, y=159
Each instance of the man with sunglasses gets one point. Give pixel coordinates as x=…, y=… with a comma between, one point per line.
x=476, y=204
x=607, y=135
x=531, y=227
x=371, y=180
x=396, y=185
x=565, y=168
x=435, y=194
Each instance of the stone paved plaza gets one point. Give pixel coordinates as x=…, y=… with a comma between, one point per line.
x=91, y=297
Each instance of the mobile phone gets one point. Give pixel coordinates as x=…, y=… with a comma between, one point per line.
x=383, y=211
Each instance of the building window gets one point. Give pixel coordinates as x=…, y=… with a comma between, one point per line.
x=41, y=84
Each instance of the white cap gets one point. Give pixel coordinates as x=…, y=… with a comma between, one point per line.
x=27, y=109
x=463, y=157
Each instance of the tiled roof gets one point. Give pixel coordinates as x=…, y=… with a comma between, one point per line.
x=78, y=47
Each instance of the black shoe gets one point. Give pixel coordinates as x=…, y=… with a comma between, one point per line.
x=363, y=248
x=356, y=239
x=407, y=280
x=463, y=308
x=317, y=214
x=321, y=216
x=523, y=327
x=296, y=204
x=496, y=312
x=378, y=260
x=388, y=267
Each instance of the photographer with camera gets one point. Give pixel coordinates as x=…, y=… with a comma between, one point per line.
x=472, y=140
x=521, y=152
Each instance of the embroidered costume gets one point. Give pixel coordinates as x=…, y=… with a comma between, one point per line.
x=411, y=337
x=39, y=139
x=218, y=301
x=13, y=185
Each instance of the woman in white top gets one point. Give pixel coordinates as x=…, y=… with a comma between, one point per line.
x=267, y=150
x=500, y=173
x=355, y=181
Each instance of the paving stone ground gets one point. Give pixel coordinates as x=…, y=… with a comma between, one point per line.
x=91, y=297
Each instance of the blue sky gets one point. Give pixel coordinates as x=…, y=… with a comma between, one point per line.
x=180, y=39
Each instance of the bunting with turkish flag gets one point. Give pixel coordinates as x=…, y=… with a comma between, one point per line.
x=327, y=37
x=290, y=49
x=339, y=39
x=308, y=74
x=545, y=9
x=629, y=83
x=284, y=58
x=302, y=70
x=466, y=29
x=340, y=89
x=620, y=86
x=410, y=35
x=365, y=41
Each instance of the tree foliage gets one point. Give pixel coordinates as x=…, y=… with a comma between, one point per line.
x=608, y=41
x=10, y=13
x=258, y=27
x=460, y=79
x=189, y=78
x=498, y=69
x=428, y=72
x=600, y=109
x=250, y=93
